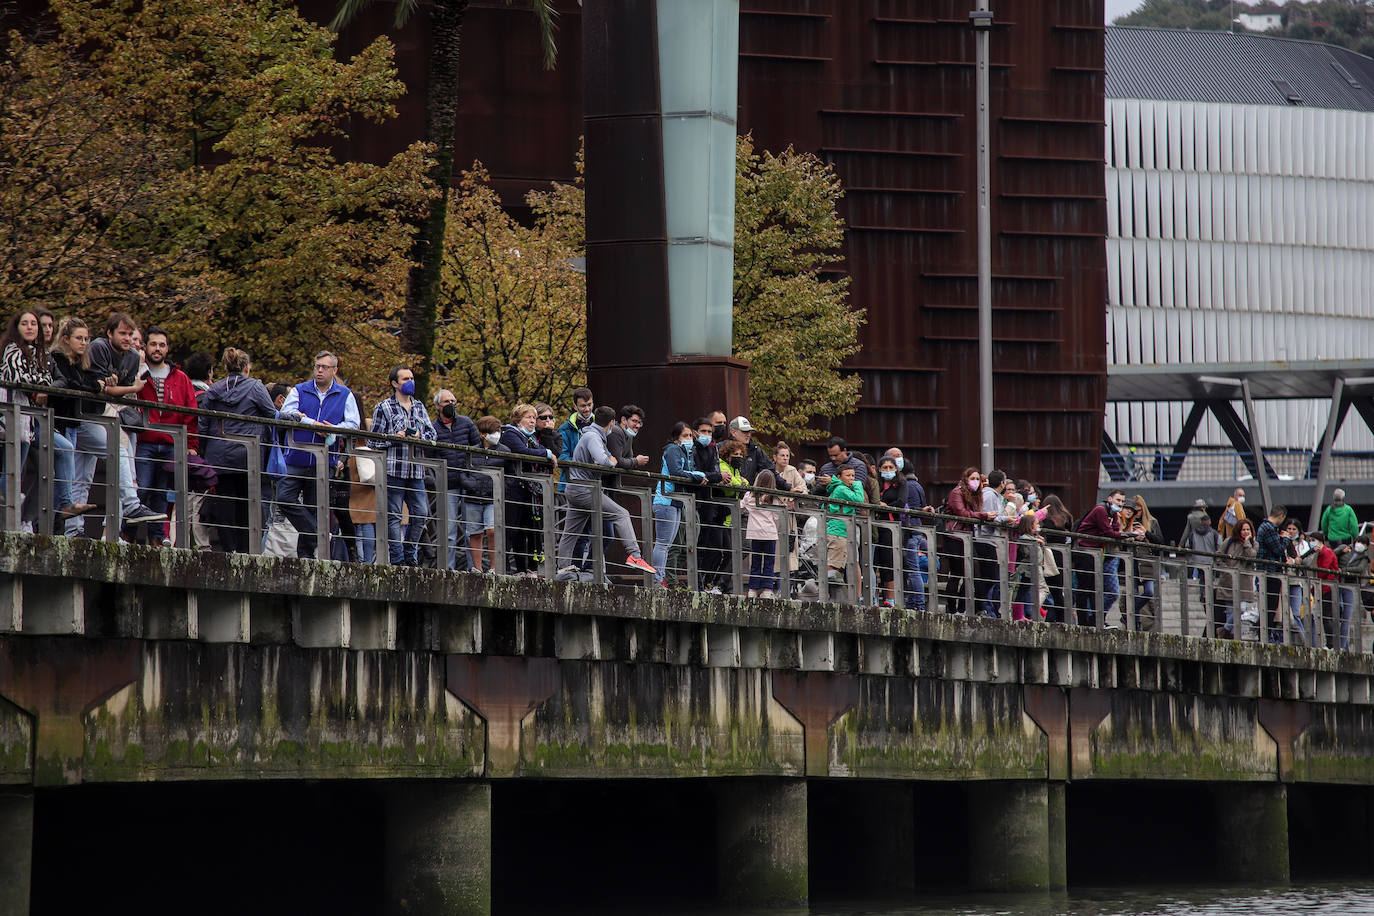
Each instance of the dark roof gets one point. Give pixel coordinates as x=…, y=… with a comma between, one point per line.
x=1274, y=379
x=1239, y=68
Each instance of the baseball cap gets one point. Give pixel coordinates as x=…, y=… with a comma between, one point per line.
x=741, y=424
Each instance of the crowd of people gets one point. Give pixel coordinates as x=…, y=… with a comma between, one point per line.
x=994, y=532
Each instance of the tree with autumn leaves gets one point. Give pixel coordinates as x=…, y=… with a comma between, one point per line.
x=512, y=306
x=171, y=158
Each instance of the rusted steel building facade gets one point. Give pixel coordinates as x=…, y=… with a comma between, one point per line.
x=884, y=90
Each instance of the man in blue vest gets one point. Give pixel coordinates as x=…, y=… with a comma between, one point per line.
x=318, y=401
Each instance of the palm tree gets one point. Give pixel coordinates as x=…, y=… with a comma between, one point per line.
x=441, y=108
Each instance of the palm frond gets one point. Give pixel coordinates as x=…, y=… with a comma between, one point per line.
x=349, y=9
x=545, y=15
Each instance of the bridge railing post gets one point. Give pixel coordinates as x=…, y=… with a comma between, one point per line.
x=42, y=419
x=690, y=527
x=498, y=516
x=737, y=572
x=895, y=564
x=181, y=491
x=440, y=513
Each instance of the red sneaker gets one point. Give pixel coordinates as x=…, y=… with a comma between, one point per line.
x=641, y=563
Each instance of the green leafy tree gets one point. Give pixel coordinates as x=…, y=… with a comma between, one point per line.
x=792, y=323
x=441, y=109
x=268, y=241
x=513, y=312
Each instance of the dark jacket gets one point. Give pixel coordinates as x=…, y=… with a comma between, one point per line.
x=677, y=464
x=69, y=410
x=478, y=485
x=235, y=393
x=755, y=460
x=462, y=431
x=706, y=458
x=1100, y=522
x=514, y=440
x=831, y=469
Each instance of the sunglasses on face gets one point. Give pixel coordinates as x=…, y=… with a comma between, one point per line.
x=544, y=416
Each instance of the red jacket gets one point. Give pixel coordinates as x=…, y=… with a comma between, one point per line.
x=177, y=392
x=1101, y=522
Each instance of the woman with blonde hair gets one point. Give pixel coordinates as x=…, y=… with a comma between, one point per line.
x=518, y=437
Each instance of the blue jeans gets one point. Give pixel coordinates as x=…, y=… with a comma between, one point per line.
x=1111, y=584
x=762, y=557
x=1347, y=608
x=367, y=540
x=411, y=492
x=916, y=564
x=666, y=522
x=152, y=482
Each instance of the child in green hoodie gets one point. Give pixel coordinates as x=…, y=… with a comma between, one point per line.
x=843, y=486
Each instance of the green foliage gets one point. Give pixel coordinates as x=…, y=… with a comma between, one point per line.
x=226, y=216
x=1337, y=22
x=513, y=315
x=512, y=310
x=792, y=323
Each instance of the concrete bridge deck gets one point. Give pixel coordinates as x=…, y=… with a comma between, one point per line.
x=130, y=665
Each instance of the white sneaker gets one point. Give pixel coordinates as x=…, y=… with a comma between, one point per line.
x=753, y=593
x=714, y=590
x=767, y=593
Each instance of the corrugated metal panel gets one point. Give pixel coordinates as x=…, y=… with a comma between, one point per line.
x=1234, y=68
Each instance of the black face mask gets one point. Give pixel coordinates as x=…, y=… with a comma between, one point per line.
x=736, y=463
x=448, y=412
x=720, y=432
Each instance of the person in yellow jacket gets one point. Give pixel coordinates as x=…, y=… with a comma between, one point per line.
x=1232, y=515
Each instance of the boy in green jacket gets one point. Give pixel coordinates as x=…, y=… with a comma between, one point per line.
x=837, y=529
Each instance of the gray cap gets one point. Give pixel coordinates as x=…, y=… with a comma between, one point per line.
x=1199, y=503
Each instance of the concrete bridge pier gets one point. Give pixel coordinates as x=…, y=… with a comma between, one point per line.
x=16, y=848
x=761, y=842
x=1252, y=832
x=1011, y=844
x=438, y=848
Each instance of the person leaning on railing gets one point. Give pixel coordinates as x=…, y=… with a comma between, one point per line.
x=1235, y=591
x=518, y=438
x=677, y=467
x=236, y=393
x=23, y=359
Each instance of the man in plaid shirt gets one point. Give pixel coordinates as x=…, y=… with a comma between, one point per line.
x=402, y=415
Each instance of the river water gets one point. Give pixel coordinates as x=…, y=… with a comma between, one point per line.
x=1317, y=899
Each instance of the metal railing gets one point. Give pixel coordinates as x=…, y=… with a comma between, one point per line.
x=1148, y=463
x=826, y=549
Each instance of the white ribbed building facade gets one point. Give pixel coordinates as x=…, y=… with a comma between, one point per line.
x=1238, y=233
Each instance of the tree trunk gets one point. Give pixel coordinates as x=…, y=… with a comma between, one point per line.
x=427, y=253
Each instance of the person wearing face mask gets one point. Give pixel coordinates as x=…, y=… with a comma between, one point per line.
x=1232, y=515
x=677, y=464
x=1338, y=523
x=712, y=535
x=322, y=403
x=518, y=437
x=453, y=428
x=402, y=415
x=1100, y=525
x=965, y=501
x=1354, y=570
x=1295, y=549
x=479, y=514
x=582, y=498
x=755, y=458
x=1321, y=559
x=1357, y=572
x=719, y=431
x=620, y=440
x=892, y=491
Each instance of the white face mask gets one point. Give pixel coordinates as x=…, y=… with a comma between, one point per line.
x=1241, y=500
x=631, y=431
x=809, y=477
x=1359, y=548
x=493, y=438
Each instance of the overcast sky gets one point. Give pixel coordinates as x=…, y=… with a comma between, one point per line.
x=1117, y=8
